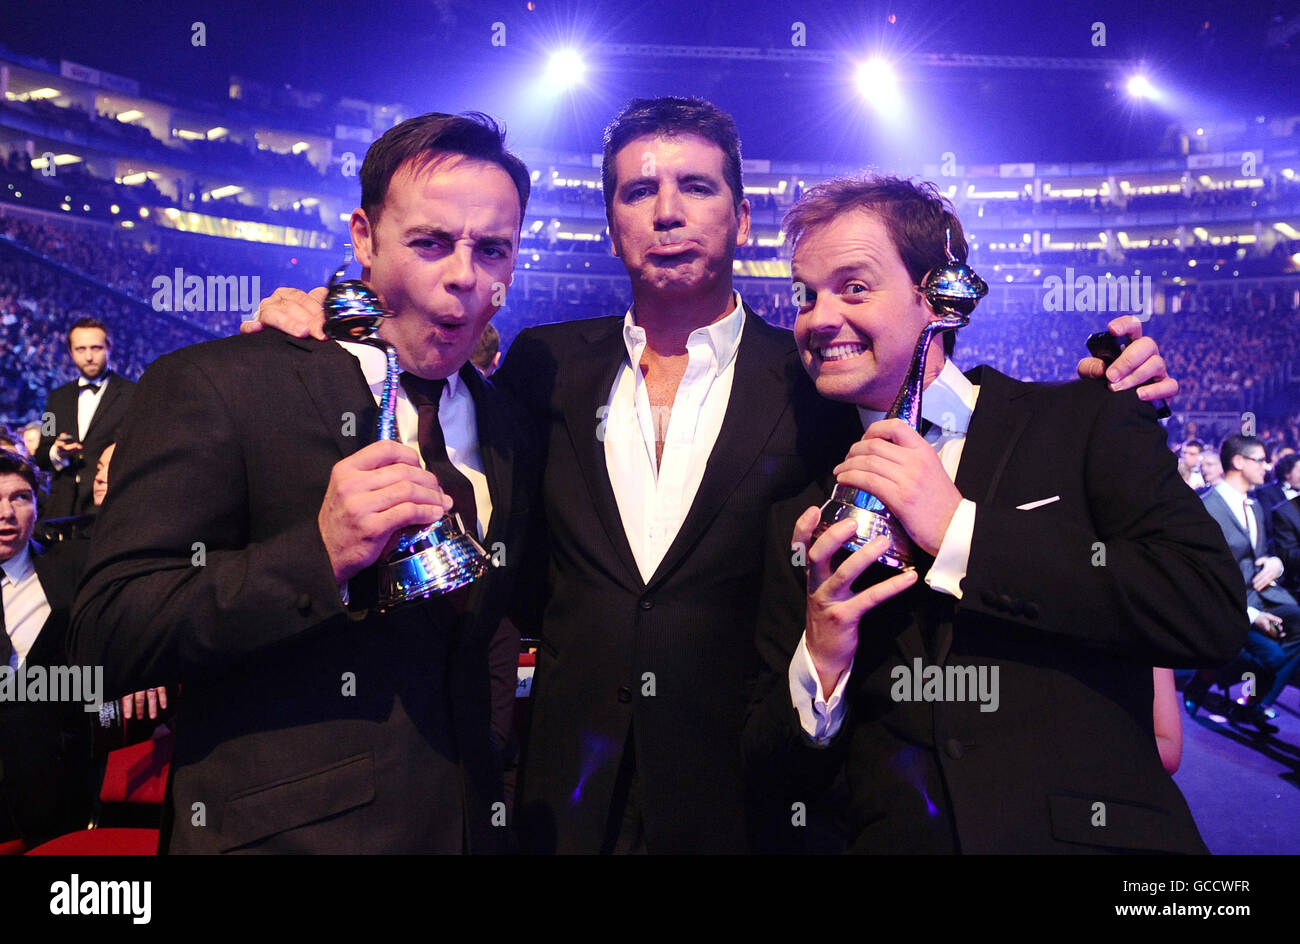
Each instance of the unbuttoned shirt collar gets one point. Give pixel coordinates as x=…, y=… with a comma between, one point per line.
x=721, y=338
x=948, y=403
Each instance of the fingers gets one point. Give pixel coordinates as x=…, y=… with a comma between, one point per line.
x=805, y=526
x=381, y=453
x=1165, y=389
x=824, y=549
x=893, y=430
x=1126, y=325
x=1091, y=368
x=1137, y=363
x=128, y=702
x=839, y=584
x=294, y=312
x=878, y=593
x=151, y=695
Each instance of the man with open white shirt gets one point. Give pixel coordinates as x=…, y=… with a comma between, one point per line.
x=996, y=698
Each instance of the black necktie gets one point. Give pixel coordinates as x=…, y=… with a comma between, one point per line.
x=425, y=395
x=6, y=647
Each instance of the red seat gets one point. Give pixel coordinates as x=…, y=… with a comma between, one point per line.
x=137, y=775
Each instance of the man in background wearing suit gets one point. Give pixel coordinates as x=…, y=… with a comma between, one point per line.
x=234, y=552
x=45, y=787
x=86, y=413
x=1286, y=519
x=1271, y=611
x=997, y=698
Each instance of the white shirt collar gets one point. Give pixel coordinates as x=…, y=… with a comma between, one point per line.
x=1229, y=494
x=20, y=565
x=374, y=366
x=722, y=337
x=948, y=402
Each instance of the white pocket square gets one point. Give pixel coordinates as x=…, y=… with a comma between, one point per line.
x=1030, y=506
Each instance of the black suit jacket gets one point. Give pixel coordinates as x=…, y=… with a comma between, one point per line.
x=1073, y=601
x=45, y=768
x=70, y=488
x=304, y=727
x=1244, y=552
x=669, y=660
x=1269, y=496
x=1286, y=539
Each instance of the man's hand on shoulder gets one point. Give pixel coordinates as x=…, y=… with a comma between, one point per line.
x=293, y=311
x=372, y=495
x=1139, y=362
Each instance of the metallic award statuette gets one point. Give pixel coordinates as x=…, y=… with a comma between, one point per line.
x=435, y=559
x=952, y=291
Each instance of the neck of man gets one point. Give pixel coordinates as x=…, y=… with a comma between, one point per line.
x=1236, y=481
x=669, y=317
x=935, y=360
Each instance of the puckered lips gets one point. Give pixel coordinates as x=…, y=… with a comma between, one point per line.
x=667, y=252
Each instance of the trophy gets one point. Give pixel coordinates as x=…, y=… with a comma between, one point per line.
x=438, y=558
x=952, y=291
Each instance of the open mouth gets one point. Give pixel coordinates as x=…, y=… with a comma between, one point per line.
x=841, y=351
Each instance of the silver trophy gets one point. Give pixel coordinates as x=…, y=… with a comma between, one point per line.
x=952, y=291
x=438, y=558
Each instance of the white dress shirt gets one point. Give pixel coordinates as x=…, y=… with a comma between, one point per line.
x=88, y=402
x=25, y=606
x=948, y=403
x=455, y=414
x=653, y=501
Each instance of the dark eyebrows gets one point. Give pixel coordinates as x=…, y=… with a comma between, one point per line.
x=433, y=232
x=697, y=177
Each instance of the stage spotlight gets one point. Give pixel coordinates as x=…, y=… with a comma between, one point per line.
x=1139, y=86
x=565, y=69
x=878, y=84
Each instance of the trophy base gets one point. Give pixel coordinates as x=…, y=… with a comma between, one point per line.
x=871, y=525
x=435, y=559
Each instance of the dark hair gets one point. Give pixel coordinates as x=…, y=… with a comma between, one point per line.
x=15, y=463
x=672, y=116
x=1236, y=445
x=1285, y=465
x=1192, y=442
x=88, y=323
x=426, y=138
x=489, y=342
x=917, y=217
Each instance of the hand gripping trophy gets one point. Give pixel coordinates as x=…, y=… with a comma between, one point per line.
x=952, y=291
x=440, y=557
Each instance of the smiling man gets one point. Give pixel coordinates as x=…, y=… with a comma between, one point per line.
x=998, y=697
x=234, y=553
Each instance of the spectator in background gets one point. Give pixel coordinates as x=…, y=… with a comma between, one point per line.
x=86, y=413
x=1273, y=614
x=487, y=353
x=1191, y=455
x=32, y=437
x=1211, y=470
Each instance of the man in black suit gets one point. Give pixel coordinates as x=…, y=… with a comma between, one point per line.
x=1271, y=611
x=1286, y=519
x=234, y=552
x=81, y=418
x=668, y=434
x=1003, y=702
x=45, y=787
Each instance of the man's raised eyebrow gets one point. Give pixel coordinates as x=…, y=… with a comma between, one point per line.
x=436, y=233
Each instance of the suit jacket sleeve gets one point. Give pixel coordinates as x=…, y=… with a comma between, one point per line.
x=1143, y=570
x=1286, y=538
x=782, y=765
x=177, y=587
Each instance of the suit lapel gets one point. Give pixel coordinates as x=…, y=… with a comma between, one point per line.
x=495, y=449
x=1228, y=515
x=337, y=387
x=759, y=396
x=108, y=396
x=995, y=428
x=584, y=398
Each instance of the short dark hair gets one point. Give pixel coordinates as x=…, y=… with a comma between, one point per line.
x=88, y=323
x=489, y=342
x=1192, y=442
x=670, y=116
x=15, y=463
x=1285, y=465
x=1236, y=445
x=426, y=138
x=917, y=217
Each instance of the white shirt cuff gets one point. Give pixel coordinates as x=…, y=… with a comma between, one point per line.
x=950, y=563
x=1252, y=614
x=59, y=463
x=819, y=716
